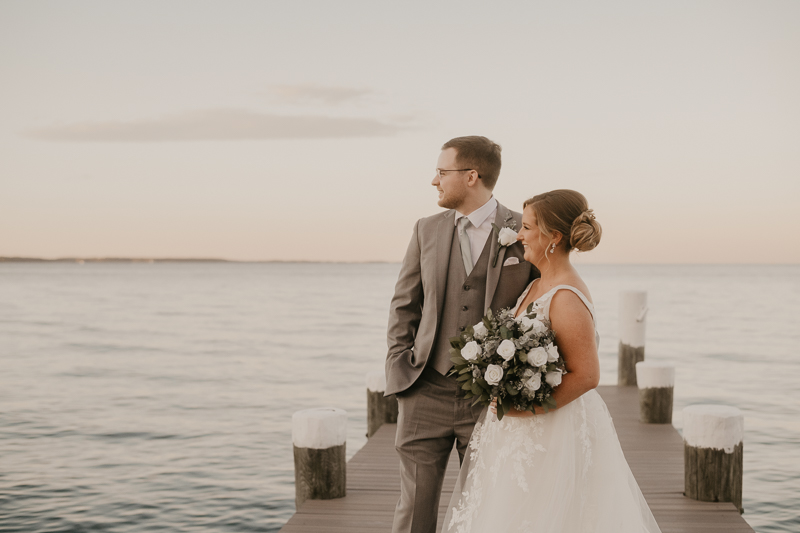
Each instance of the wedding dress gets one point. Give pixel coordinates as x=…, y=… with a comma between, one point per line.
x=559, y=472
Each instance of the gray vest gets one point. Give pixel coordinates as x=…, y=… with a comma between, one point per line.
x=463, y=302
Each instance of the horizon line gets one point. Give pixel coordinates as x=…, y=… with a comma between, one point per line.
x=16, y=259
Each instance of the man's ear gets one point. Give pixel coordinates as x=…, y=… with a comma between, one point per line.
x=472, y=178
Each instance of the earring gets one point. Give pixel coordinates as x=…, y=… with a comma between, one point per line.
x=553, y=248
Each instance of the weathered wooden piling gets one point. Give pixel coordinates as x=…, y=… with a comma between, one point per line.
x=632, y=315
x=656, y=382
x=320, y=467
x=380, y=409
x=654, y=453
x=713, y=453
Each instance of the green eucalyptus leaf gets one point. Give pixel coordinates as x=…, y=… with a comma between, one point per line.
x=457, y=342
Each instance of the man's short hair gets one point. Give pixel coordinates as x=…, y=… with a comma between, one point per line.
x=480, y=154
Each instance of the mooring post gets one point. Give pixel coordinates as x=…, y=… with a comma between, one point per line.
x=713, y=453
x=632, y=320
x=380, y=409
x=656, y=382
x=319, y=437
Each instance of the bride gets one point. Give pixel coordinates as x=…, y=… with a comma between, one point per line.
x=562, y=471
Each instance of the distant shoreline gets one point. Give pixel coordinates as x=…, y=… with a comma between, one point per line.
x=150, y=260
x=166, y=260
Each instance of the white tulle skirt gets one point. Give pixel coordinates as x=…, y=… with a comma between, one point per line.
x=560, y=472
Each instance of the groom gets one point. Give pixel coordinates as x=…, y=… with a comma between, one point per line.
x=455, y=268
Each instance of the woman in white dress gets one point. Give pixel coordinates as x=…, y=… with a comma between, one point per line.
x=561, y=471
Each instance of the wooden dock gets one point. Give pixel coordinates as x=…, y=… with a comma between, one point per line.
x=654, y=453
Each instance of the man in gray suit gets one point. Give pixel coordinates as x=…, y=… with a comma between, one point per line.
x=455, y=269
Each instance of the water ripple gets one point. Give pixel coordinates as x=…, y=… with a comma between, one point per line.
x=159, y=397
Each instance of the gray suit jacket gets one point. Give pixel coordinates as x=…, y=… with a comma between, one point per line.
x=416, y=308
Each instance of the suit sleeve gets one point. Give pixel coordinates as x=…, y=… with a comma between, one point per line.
x=405, y=311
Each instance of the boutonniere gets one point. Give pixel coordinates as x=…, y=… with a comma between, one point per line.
x=506, y=236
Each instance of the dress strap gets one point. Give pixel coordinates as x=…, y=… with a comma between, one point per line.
x=547, y=298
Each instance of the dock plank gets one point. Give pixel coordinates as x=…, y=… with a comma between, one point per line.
x=654, y=453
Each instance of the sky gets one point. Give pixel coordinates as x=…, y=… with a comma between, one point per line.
x=310, y=130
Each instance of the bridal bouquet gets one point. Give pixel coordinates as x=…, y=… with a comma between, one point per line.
x=512, y=360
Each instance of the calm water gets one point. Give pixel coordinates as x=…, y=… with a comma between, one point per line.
x=147, y=397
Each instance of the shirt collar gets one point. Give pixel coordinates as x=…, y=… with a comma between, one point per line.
x=480, y=215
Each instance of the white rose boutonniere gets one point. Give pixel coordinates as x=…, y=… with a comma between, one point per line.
x=505, y=237
x=494, y=373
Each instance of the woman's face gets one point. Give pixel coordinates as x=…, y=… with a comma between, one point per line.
x=533, y=240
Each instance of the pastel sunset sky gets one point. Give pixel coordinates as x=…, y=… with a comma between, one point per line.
x=261, y=130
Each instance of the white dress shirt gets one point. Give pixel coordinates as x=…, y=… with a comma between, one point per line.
x=481, y=219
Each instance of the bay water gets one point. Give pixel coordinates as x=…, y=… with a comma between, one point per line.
x=158, y=397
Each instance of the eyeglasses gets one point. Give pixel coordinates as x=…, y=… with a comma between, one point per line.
x=440, y=171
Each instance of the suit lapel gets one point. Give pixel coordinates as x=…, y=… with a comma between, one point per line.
x=444, y=242
x=502, y=219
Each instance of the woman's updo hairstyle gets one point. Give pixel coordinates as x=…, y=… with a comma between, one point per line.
x=568, y=213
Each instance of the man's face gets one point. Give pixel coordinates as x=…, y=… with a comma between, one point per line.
x=452, y=185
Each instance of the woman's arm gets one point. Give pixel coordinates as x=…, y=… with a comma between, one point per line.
x=575, y=337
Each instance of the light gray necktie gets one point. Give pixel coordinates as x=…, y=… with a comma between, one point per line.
x=466, y=246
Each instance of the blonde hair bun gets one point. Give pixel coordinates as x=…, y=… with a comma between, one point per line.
x=586, y=232
x=567, y=212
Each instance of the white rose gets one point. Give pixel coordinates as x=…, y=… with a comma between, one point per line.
x=525, y=322
x=470, y=351
x=538, y=326
x=507, y=237
x=534, y=382
x=479, y=330
x=537, y=357
x=494, y=373
x=506, y=349
x=552, y=353
x=553, y=378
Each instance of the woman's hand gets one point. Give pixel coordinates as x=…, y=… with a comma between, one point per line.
x=511, y=412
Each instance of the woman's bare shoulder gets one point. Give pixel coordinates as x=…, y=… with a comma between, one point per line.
x=578, y=283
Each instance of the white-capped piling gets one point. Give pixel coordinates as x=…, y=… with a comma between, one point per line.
x=632, y=320
x=319, y=437
x=380, y=409
x=656, y=382
x=713, y=453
